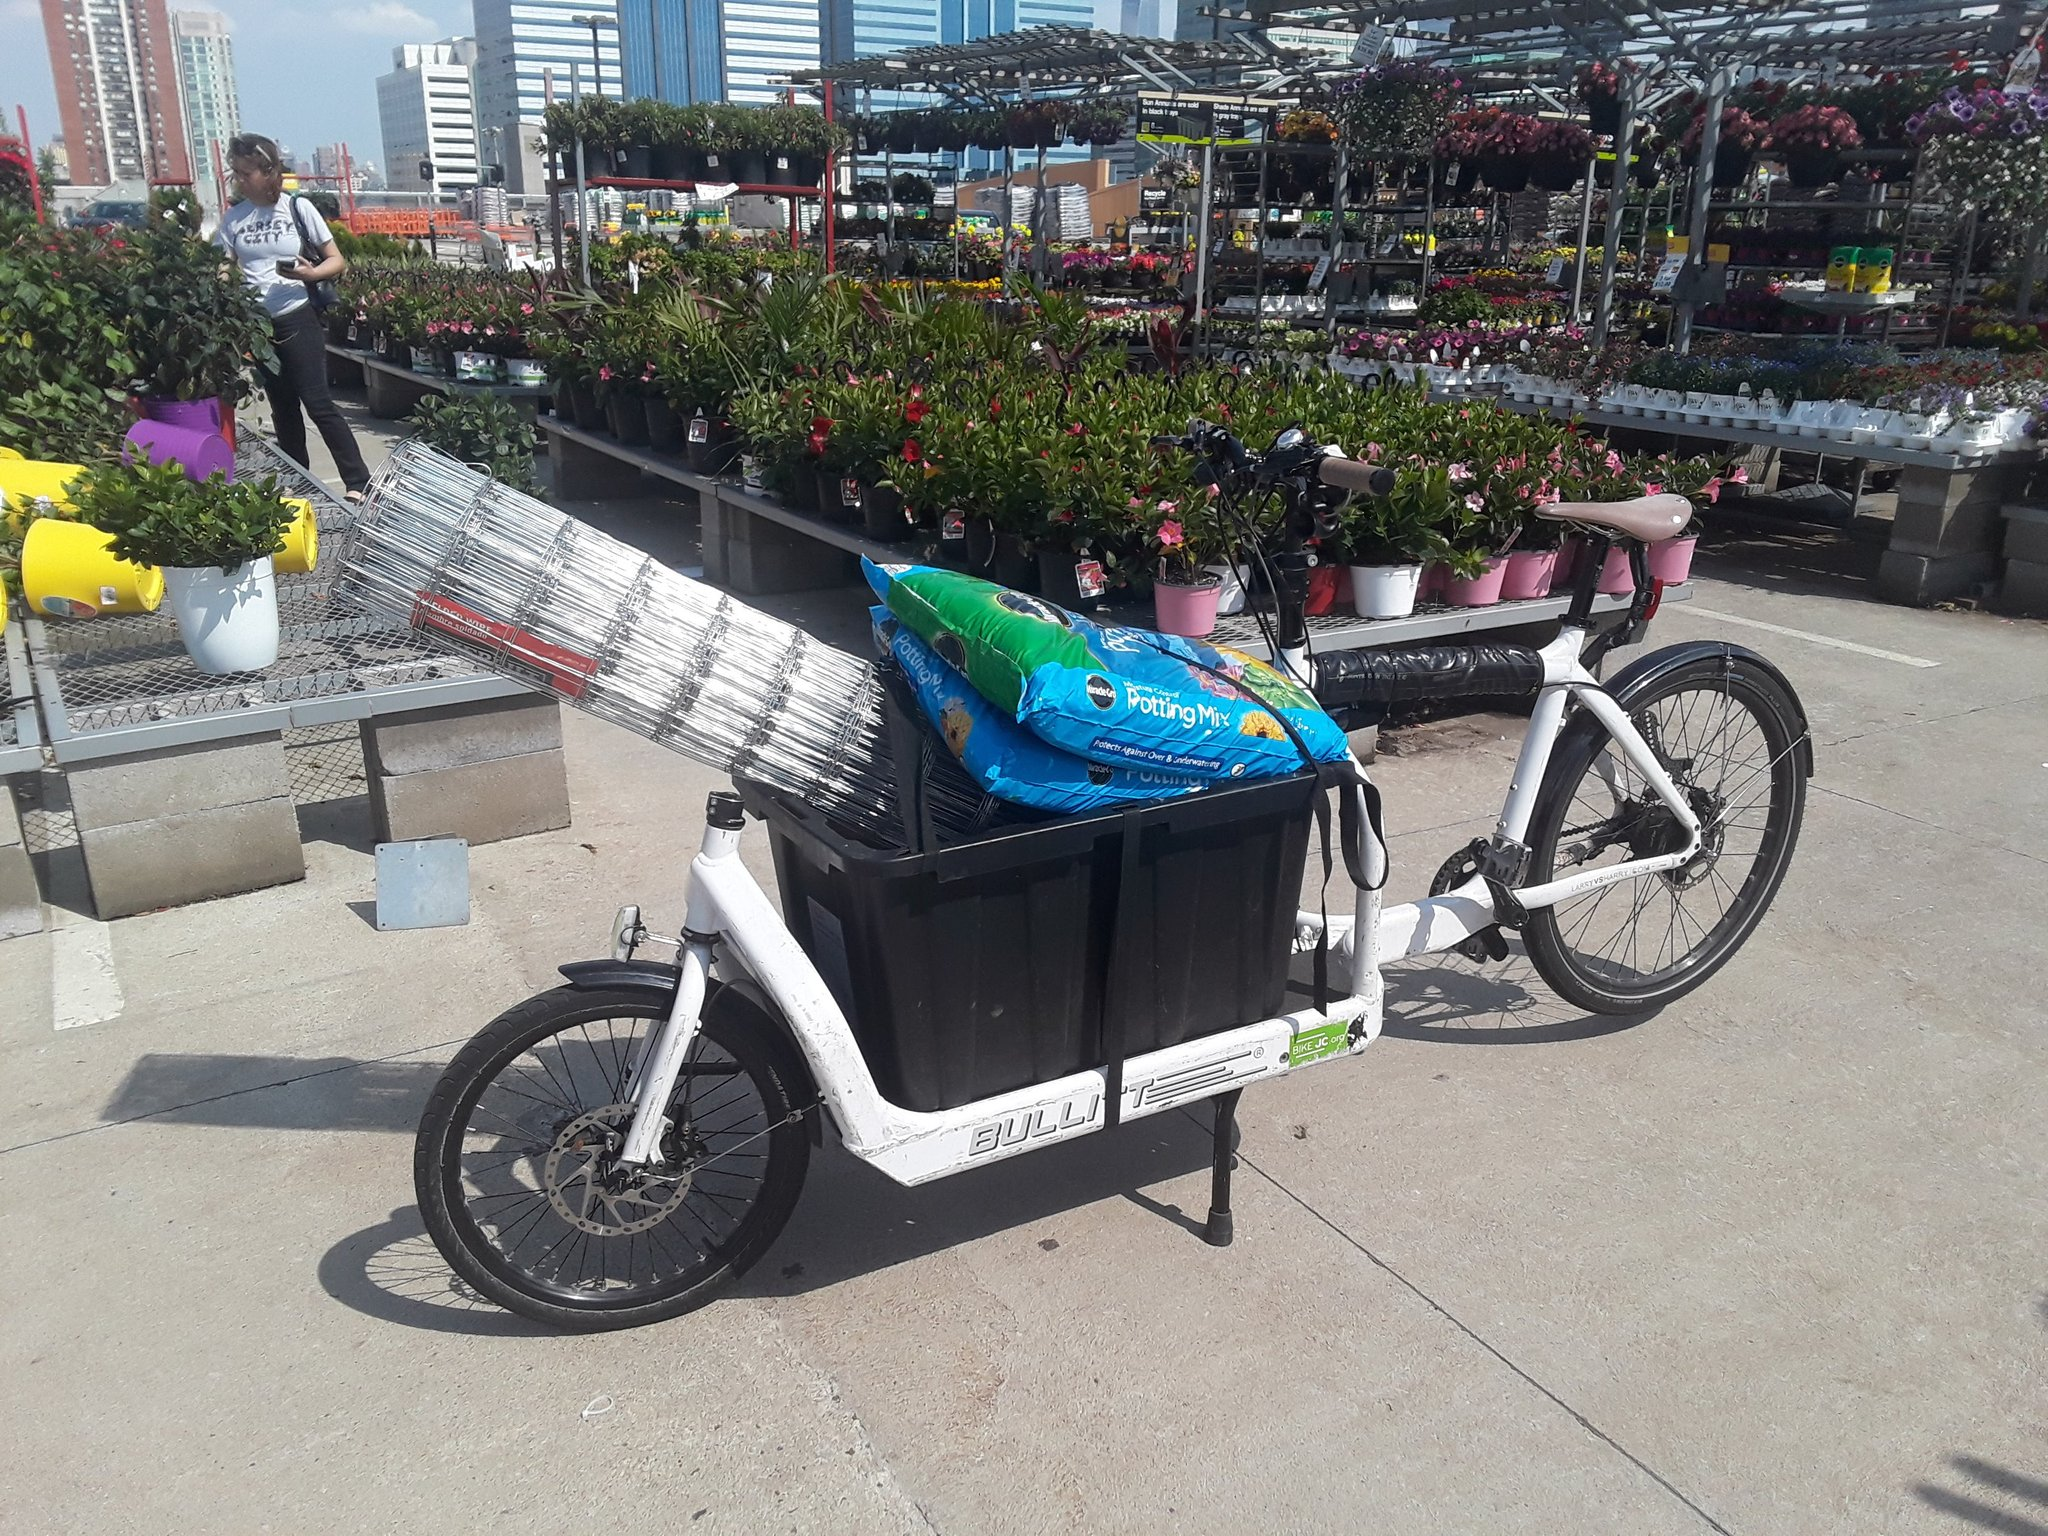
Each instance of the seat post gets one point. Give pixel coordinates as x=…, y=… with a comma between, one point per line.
x=1586, y=580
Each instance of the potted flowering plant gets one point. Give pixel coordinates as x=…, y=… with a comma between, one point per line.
x=1507, y=151
x=1742, y=135
x=1987, y=149
x=1182, y=536
x=1395, y=109
x=1557, y=154
x=1811, y=139
x=1599, y=91
x=1098, y=123
x=1035, y=125
x=1387, y=539
x=1307, y=125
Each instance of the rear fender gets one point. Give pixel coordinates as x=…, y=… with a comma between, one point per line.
x=1635, y=679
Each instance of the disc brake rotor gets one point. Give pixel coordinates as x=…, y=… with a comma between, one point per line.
x=591, y=1193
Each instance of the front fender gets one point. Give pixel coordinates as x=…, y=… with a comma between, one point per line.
x=640, y=975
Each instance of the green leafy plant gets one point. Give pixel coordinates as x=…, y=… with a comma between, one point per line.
x=482, y=430
x=193, y=325
x=159, y=517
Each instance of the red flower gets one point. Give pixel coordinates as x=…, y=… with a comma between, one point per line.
x=913, y=451
x=1077, y=430
x=995, y=406
x=915, y=412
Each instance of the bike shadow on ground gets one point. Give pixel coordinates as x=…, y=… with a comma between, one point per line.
x=1447, y=999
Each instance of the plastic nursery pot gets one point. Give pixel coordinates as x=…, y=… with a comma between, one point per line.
x=1189, y=611
x=749, y=167
x=526, y=372
x=627, y=421
x=882, y=515
x=425, y=360
x=24, y=480
x=227, y=619
x=709, y=448
x=1615, y=575
x=68, y=571
x=1385, y=591
x=1671, y=559
x=583, y=409
x=300, y=551
x=664, y=426
x=1436, y=577
x=1528, y=574
x=838, y=497
x=1813, y=170
x=1071, y=580
x=1477, y=591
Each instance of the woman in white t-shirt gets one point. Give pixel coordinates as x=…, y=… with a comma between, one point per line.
x=268, y=233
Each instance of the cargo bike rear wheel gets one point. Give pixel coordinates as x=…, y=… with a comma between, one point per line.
x=519, y=1189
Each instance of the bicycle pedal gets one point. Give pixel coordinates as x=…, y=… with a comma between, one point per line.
x=1487, y=944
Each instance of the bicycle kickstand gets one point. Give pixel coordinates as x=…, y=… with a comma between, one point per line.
x=1219, y=1232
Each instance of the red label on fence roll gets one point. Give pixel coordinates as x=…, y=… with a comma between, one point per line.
x=559, y=668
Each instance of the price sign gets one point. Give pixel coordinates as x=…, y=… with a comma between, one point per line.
x=1372, y=42
x=1555, y=275
x=1150, y=198
x=1315, y=278
x=1667, y=273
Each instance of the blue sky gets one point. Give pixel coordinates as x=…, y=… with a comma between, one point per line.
x=307, y=71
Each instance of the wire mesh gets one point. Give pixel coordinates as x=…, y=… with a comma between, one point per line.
x=486, y=572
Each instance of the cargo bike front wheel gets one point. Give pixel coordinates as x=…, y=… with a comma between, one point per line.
x=519, y=1189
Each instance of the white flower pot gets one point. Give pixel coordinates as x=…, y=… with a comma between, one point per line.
x=227, y=619
x=1384, y=591
x=1230, y=598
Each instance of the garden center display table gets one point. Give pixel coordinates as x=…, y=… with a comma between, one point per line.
x=21, y=751
x=393, y=391
x=1946, y=533
x=178, y=780
x=755, y=545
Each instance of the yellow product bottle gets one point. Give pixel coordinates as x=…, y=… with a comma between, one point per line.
x=1842, y=269
x=68, y=571
x=1874, y=269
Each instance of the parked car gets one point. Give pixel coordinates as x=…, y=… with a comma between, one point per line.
x=112, y=213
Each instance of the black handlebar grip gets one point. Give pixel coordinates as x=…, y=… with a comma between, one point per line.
x=1351, y=475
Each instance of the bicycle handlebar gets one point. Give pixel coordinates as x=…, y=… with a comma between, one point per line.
x=1352, y=475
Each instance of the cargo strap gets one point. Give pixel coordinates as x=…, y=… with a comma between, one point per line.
x=1113, y=1000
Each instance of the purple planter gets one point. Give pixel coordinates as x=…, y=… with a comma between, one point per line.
x=199, y=415
x=199, y=451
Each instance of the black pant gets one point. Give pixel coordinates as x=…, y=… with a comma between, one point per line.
x=301, y=379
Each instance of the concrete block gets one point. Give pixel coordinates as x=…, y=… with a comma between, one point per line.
x=760, y=557
x=483, y=802
x=176, y=780
x=2026, y=534
x=432, y=739
x=1921, y=579
x=21, y=900
x=191, y=856
x=1944, y=512
x=392, y=395
x=2025, y=588
x=584, y=473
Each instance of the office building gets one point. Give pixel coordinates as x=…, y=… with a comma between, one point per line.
x=426, y=108
x=765, y=40
x=673, y=50
x=116, y=72
x=525, y=52
x=206, y=94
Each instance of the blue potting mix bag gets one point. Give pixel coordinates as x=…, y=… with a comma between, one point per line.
x=1004, y=758
x=1117, y=696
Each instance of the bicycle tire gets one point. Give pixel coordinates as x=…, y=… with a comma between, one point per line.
x=1548, y=933
x=733, y=1027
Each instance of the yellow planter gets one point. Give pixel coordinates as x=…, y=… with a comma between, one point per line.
x=9, y=453
x=23, y=480
x=301, y=547
x=68, y=571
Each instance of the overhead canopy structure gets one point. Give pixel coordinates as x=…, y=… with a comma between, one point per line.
x=1046, y=60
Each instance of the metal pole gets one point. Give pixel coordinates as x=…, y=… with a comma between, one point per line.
x=1259, y=256
x=582, y=191
x=1208, y=205
x=1009, y=174
x=825, y=186
x=1702, y=202
x=1038, y=222
x=1585, y=233
x=1617, y=205
x=1428, y=225
x=547, y=86
x=35, y=177
x=889, y=201
x=1340, y=187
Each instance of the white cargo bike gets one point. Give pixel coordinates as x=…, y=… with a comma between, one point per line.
x=614, y=1151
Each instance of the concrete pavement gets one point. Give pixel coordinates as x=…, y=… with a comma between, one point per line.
x=1769, y=1262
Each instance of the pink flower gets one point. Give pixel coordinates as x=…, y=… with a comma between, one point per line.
x=1475, y=501
x=1169, y=507
x=605, y=371
x=1460, y=472
x=1739, y=475
x=1712, y=489
x=1654, y=488
x=1613, y=462
x=1169, y=533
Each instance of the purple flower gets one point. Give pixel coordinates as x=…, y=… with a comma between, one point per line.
x=1964, y=112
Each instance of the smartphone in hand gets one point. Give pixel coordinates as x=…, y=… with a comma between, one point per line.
x=287, y=269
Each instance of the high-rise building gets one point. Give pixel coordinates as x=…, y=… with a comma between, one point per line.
x=765, y=41
x=426, y=108
x=722, y=50
x=116, y=73
x=206, y=93
x=520, y=44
